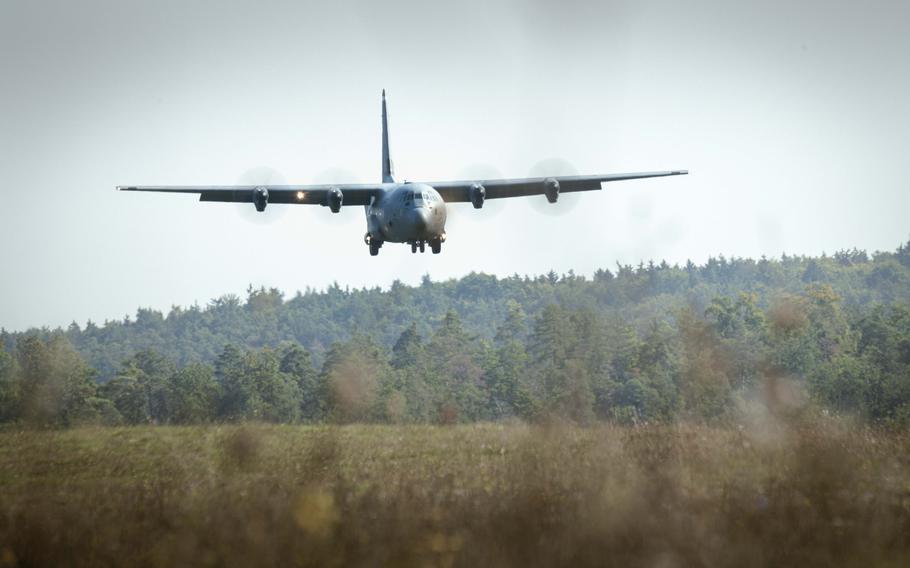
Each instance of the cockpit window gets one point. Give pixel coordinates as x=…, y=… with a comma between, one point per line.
x=417, y=198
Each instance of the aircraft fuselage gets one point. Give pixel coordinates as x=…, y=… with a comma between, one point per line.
x=407, y=213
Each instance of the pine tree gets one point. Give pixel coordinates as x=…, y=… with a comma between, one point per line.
x=408, y=349
x=455, y=371
x=506, y=370
x=152, y=370
x=128, y=396
x=56, y=384
x=193, y=394
x=239, y=397
x=564, y=379
x=297, y=363
x=276, y=395
x=9, y=387
x=413, y=385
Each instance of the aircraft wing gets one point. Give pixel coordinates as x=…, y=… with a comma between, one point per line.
x=354, y=194
x=460, y=191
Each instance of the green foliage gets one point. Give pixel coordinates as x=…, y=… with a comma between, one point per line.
x=705, y=386
x=129, y=398
x=871, y=377
x=650, y=343
x=55, y=384
x=358, y=382
x=454, y=371
x=193, y=395
x=297, y=363
x=506, y=370
x=558, y=355
x=9, y=387
x=254, y=387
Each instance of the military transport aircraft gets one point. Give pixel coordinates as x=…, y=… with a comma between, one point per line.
x=409, y=212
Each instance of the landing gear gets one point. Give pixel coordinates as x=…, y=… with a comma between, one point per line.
x=374, y=244
x=435, y=245
x=421, y=245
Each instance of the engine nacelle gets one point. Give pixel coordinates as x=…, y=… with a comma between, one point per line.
x=334, y=199
x=551, y=189
x=260, y=198
x=478, y=195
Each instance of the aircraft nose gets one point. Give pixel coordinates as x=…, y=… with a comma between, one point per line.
x=420, y=220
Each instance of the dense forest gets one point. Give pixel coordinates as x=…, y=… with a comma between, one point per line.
x=649, y=343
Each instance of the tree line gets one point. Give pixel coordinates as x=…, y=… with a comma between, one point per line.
x=652, y=343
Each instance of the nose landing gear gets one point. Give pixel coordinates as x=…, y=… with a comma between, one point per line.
x=435, y=246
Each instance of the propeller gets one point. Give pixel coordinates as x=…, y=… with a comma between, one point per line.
x=261, y=175
x=347, y=215
x=491, y=207
x=567, y=201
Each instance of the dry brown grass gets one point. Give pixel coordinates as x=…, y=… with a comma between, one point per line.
x=484, y=495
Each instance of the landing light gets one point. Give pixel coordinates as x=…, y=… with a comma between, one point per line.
x=300, y=195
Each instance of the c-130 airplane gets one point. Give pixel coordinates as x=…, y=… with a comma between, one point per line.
x=409, y=212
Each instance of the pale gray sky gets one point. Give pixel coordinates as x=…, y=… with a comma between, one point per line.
x=791, y=116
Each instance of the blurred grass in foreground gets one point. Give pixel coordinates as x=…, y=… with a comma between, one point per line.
x=819, y=493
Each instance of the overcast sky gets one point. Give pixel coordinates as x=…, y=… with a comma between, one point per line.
x=791, y=116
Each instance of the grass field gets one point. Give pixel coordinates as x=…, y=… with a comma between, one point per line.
x=484, y=495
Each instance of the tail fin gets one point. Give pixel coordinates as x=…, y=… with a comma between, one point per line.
x=386, y=161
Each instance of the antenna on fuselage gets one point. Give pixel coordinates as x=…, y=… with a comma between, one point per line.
x=387, y=171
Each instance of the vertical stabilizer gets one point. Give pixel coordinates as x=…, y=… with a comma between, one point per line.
x=386, y=161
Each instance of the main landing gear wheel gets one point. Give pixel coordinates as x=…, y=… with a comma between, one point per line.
x=374, y=244
x=413, y=248
x=422, y=246
x=436, y=246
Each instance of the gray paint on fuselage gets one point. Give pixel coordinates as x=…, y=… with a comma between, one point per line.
x=409, y=212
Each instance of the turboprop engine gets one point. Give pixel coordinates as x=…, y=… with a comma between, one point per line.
x=478, y=195
x=260, y=198
x=334, y=198
x=551, y=189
